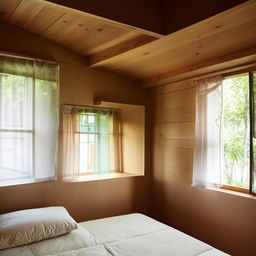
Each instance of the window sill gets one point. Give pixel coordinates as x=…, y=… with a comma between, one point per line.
x=228, y=191
x=106, y=176
x=24, y=181
x=232, y=192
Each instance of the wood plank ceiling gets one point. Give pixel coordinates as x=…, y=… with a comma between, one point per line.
x=82, y=32
x=224, y=41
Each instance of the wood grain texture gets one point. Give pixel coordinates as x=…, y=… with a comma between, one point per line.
x=235, y=59
x=99, y=58
x=8, y=7
x=173, y=131
x=176, y=106
x=34, y=16
x=221, y=42
x=224, y=34
x=81, y=32
x=175, y=201
x=144, y=14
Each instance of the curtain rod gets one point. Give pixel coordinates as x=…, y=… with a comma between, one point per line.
x=83, y=106
x=21, y=56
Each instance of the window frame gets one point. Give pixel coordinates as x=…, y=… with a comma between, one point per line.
x=96, y=111
x=96, y=142
x=28, y=131
x=252, y=106
x=31, y=174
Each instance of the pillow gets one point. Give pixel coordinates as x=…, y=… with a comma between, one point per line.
x=28, y=226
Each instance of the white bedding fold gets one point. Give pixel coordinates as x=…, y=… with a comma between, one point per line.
x=77, y=239
x=98, y=250
x=162, y=243
x=122, y=227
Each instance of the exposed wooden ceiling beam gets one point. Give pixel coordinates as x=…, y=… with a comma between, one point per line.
x=101, y=57
x=223, y=34
x=245, y=57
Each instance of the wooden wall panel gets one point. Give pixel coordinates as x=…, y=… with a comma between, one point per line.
x=8, y=7
x=171, y=165
x=177, y=106
x=174, y=131
x=205, y=214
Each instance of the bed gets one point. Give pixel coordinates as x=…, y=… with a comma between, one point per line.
x=126, y=235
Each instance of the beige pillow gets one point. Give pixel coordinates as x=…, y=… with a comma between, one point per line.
x=28, y=226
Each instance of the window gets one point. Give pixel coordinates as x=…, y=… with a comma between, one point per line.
x=236, y=131
x=28, y=120
x=91, y=141
x=225, y=139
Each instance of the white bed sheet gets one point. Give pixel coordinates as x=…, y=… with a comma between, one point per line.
x=165, y=243
x=97, y=250
x=122, y=227
x=127, y=235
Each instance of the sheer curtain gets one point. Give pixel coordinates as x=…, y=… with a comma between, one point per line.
x=71, y=143
x=253, y=182
x=28, y=119
x=92, y=146
x=46, y=116
x=115, y=142
x=208, y=149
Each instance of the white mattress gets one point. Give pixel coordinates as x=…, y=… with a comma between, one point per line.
x=127, y=235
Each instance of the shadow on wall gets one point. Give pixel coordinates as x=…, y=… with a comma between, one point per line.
x=216, y=218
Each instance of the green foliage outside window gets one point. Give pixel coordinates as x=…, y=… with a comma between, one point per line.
x=236, y=131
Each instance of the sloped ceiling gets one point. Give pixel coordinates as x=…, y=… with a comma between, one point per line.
x=159, y=16
x=226, y=40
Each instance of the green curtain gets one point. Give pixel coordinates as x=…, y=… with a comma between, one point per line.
x=29, y=68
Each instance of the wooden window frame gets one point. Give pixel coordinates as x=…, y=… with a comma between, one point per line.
x=247, y=71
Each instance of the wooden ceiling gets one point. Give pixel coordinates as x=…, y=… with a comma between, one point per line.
x=82, y=32
x=225, y=37
x=224, y=41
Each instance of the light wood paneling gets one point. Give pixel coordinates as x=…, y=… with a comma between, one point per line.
x=34, y=16
x=98, y=59
x=84, y=35
x=174, y=135
x=172, y=164
x=176, y=106
x=221, y=35
x=236, y=59
x=143, y=63
x=81, y=32
x=8, y=7
x=175, y=201
x=174, y=131
x=223, y=41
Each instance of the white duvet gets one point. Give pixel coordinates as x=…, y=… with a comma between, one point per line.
x=127, y=235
